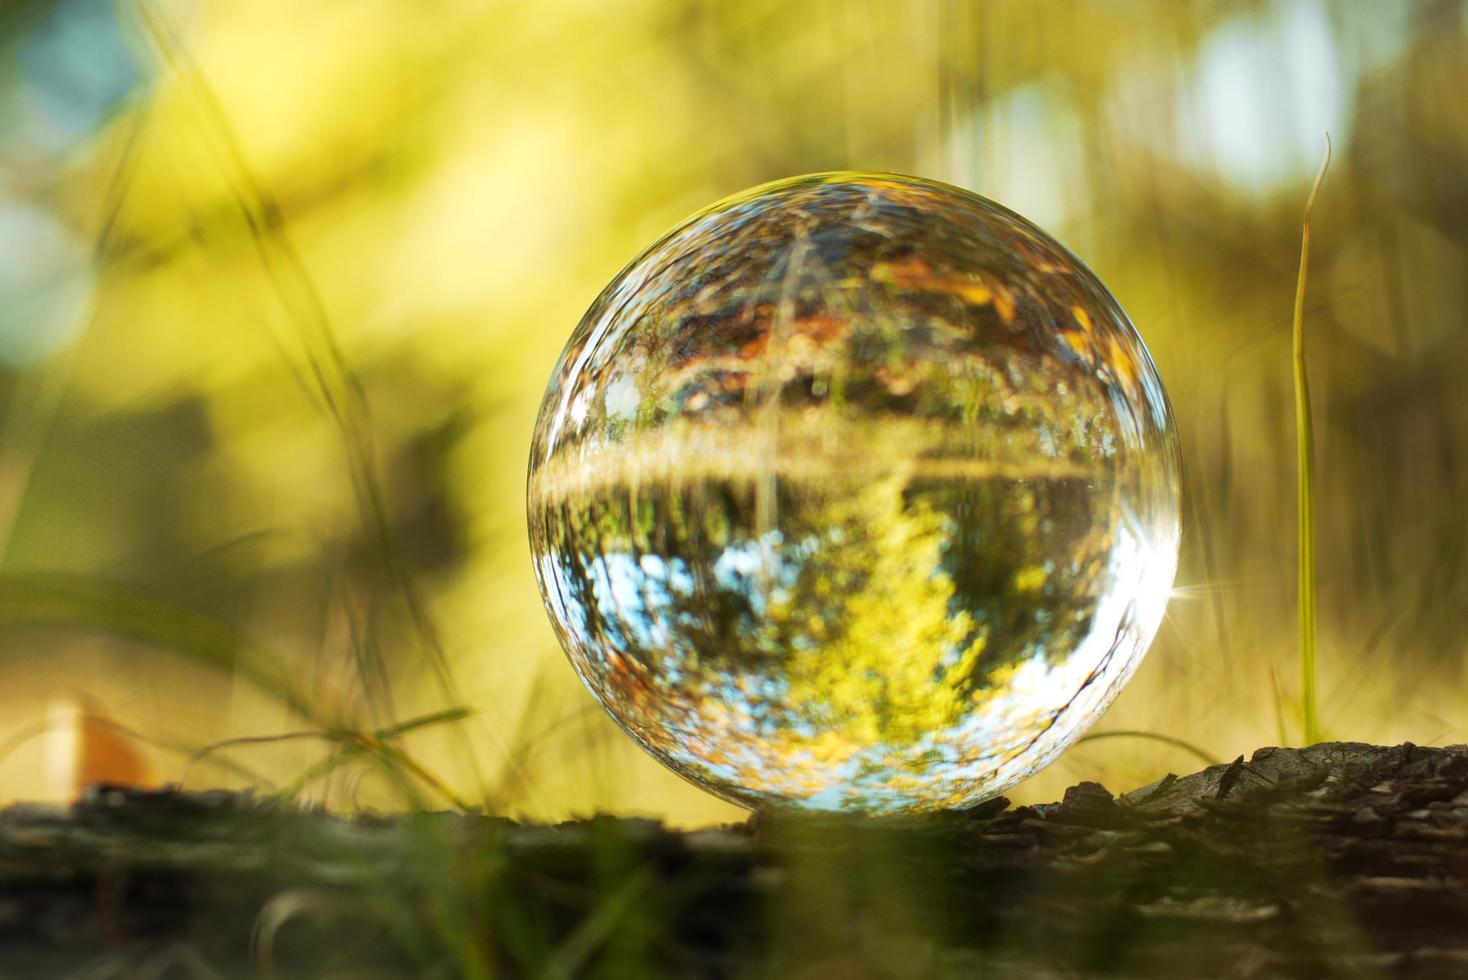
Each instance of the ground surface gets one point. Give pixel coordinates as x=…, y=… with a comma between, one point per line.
x=1339, y=860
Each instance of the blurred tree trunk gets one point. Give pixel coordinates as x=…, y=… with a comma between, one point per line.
x=1338, y=860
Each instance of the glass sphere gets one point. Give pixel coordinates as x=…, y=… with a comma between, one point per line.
x=855, y=492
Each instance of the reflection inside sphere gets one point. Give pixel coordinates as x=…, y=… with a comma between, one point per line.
x=855, y=492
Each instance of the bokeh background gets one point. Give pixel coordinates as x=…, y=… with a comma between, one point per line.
x=281, y=284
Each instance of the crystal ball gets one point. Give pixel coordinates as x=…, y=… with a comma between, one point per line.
x=855, y=492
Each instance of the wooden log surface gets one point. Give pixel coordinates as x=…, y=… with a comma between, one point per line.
x=1341, y=860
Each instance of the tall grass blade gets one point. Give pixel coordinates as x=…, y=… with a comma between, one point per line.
x=1305, y=447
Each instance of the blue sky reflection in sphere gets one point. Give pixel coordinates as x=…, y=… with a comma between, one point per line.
x=855, y=492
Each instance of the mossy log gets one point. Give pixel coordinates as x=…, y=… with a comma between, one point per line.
x=1337, y=860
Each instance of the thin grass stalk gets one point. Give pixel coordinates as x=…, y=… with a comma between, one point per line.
x=1177, y=743
x=1305, y=460
x=329, y=377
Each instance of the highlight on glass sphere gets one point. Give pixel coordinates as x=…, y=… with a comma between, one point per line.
x=855, y=492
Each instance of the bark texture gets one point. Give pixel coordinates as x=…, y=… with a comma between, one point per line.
x=1337, y=860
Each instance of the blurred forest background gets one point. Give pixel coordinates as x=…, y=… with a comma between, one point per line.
x=281, y=284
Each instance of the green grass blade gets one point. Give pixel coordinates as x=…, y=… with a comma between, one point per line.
x=1305, y=447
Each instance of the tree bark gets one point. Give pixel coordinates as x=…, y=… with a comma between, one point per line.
x=1337, y=860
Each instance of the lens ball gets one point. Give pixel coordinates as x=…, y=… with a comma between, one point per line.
x=855, y=492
